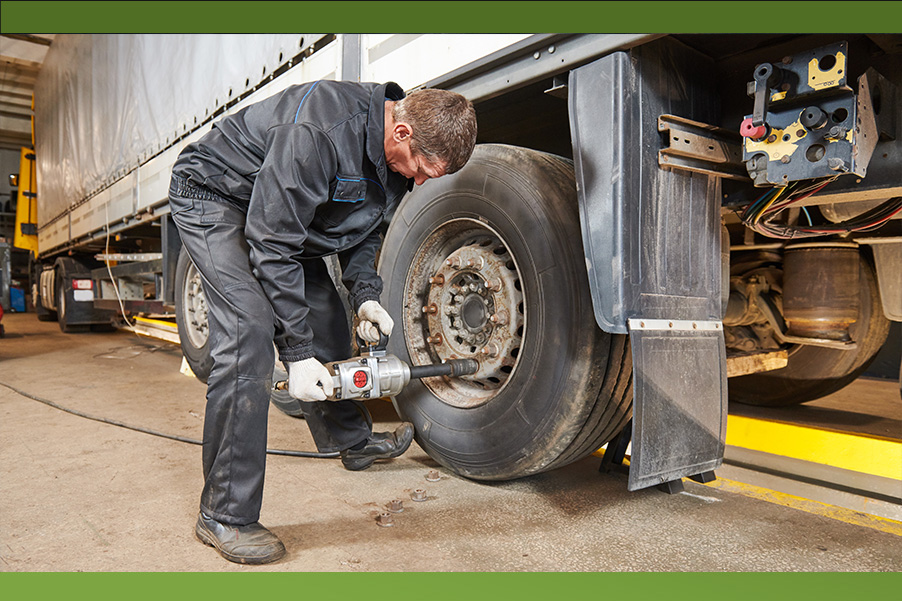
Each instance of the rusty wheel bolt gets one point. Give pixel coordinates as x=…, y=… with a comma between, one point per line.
x=494, y=285
x=436, y=340
x=385, y=519
x=418, y=495
x=433, y=476
x=431, y=309
x=453, y=262
x=477, y=263
x=395, y=506
x=491, y=349
x=499, y=318
x=438, y=280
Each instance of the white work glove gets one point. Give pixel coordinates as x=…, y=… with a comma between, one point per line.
x=373, y=319
x=303, y=377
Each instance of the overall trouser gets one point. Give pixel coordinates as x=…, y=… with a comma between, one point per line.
x=241, y=333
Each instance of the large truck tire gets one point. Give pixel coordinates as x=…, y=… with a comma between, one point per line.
x=73, y=317
x=34, y=271
x=552, y=387
x=193, y=328
x=814, y=372
x=191, y=317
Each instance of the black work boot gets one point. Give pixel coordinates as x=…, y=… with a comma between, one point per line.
x=380, y=445
x=251, y=544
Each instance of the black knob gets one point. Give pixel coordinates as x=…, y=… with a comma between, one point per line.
x=813, y=118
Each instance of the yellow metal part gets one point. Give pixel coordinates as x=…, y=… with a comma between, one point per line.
x=27, y=201
x=778, y=96
x=779, y=147
x=864, y=454
x=820, y=80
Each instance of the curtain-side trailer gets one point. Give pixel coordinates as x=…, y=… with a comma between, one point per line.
x=649, y=226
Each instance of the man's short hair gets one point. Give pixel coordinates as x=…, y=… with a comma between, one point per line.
x=443, y=123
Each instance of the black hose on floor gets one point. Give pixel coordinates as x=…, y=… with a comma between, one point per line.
x=103, y=420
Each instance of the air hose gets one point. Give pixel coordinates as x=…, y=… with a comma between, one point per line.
x=103, y=420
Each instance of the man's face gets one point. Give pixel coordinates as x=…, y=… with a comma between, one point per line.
x=412, y=165
x=400, y=159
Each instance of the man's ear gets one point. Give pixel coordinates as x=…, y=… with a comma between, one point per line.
x=402, y=131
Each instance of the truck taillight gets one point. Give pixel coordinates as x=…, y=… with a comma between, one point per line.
x=82, y=284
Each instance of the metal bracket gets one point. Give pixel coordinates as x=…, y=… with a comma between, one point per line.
x=701, y=148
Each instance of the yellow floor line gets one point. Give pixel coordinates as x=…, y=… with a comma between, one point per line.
x=848, y=516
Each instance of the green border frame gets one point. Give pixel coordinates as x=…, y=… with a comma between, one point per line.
x=453, y=587
x=449, y=17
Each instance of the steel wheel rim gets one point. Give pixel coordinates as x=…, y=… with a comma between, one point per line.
x=463, y=299
x=195, y=303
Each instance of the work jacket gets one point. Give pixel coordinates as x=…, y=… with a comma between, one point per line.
x=308, y=166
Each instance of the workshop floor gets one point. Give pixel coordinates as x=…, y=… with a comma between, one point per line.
x=79, y=495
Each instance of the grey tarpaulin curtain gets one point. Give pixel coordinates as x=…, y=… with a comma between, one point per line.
x=106, y=103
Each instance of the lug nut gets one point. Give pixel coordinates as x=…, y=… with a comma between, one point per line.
x=395, y=506
x=477, y=263
x=499, y=318
x=431, y=309
x=494, y=285
x=418, y=495
x=491, y=350
x=385, y=519
x=433, y=476
x=436, y=340
x=437, y=280
x=453, y=262
x=452, y=310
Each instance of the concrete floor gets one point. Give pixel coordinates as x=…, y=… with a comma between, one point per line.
x=79, y=495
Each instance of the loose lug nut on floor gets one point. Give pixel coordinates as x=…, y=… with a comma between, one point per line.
x=418, y=495
x=395, y=506
x=433, y=476
x=385, y=519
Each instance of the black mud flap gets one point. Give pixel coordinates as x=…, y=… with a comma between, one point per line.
x=652, y=244
x=680, y=403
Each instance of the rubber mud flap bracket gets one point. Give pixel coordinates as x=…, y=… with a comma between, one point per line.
x=680, y=400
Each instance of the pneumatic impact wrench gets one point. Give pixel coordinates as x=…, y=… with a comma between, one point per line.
x=376, y=374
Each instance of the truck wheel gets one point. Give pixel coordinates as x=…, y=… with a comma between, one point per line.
x=191, y=317
x=65, y=314
x=488, y=263
x=814, y=372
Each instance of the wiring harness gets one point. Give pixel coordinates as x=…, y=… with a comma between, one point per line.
x=762, y=214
